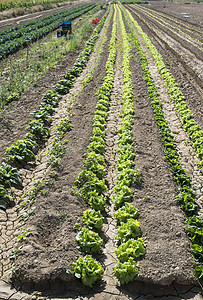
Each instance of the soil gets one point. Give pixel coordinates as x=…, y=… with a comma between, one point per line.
x=166, y=271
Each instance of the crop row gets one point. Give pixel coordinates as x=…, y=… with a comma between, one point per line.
x=55, y=153
x=91, y=185
x=131, y=246
x=15, y=38
x=186, y=196
x=133, y=2
x=24, y=151
x=90, y=182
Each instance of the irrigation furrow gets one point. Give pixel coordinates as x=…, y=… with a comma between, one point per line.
x=111, y=158
x=13, y=221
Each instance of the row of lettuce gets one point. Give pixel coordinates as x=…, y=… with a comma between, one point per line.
x=24, y=151
x=90, y=182
x=131, y=246
x=186, y=196
x=18, y=37
x=91, y=185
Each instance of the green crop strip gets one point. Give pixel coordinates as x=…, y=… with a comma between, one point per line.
x=90, y=183
x=24, y=151
x=186, y=196
x=133, y=2
x=131, y=247
x=89, y=77
x=14, y=38
x=192, y=128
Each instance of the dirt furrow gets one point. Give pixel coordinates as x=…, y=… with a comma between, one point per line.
x=111, y=158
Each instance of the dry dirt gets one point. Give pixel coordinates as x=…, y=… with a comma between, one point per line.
x=166, y=271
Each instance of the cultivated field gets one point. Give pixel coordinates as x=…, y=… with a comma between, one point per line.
x=101, y=180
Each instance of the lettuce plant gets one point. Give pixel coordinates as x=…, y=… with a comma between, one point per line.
x=9, y=176
x=89, y=241
x=93, y=218
x=130, y=229
x=21, y=152
x=132, y=248
x=126, y=272
x=88, y=269
x=125, y=212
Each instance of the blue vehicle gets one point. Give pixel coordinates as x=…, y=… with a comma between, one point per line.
x=66, y=29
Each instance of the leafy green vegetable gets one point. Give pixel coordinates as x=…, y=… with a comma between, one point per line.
x=195, y=229
x=5, y=198
x=21, y=152
x=88, y=269
x=128, y=230
x=96, y=202
x=89, y=241
x=93, y=218
x=123, y=194
x=9, y=176
x=51, y=98
x=199, y=272
x=126, y=272
x=132, y=248
x=128, y=211
x=87, y=181
x=38, y=129
x=197, y=252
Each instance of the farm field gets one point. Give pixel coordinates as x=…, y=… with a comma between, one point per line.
x=33, y=15
x=101, y=180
